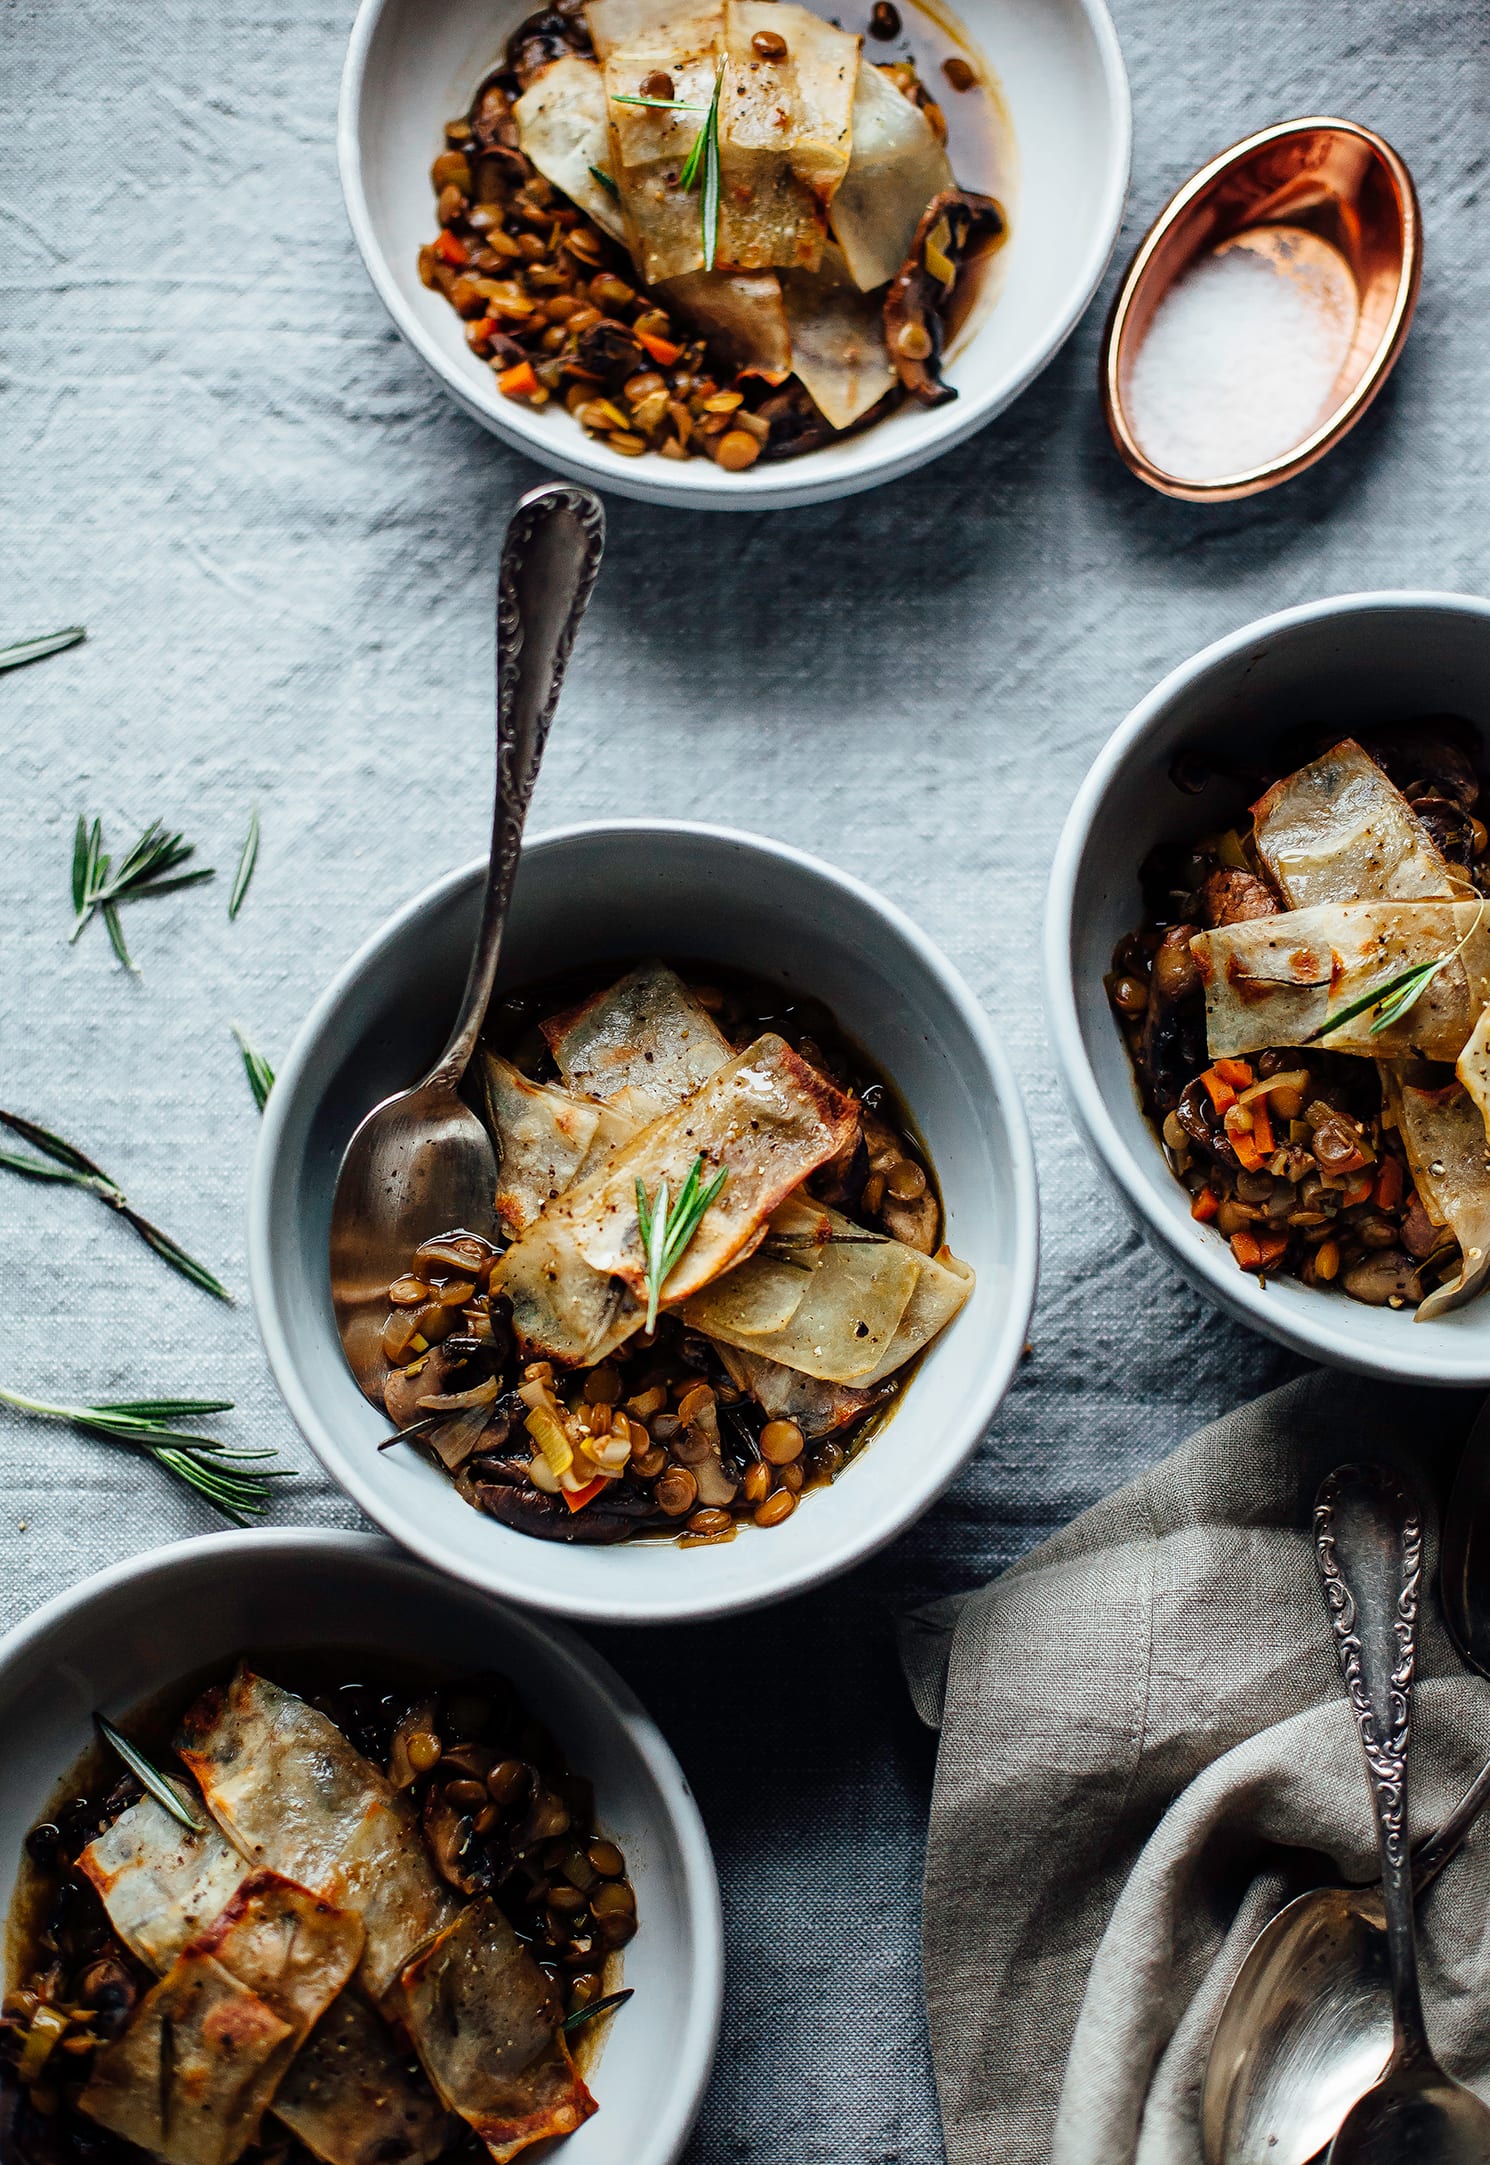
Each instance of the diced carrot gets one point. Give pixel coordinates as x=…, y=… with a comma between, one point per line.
x=1236, y=1072
x=1205, y=1206
x=518, y=381
x=662, y=350
x=1271, y=1248
x=577, y=1498
x=1250, y=1133
x=1262, y=1128
x=1218, y=1089
x=481, y=329
x=1389, y=1184
x=1360, y=1189
x=449, y=246
x=1247, y=1251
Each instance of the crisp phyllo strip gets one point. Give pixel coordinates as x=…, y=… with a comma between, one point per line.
x=899, y=163
x=742, y=315
x=292, y=1948
x=1339, y=830
x=160, y=1882
x=837, y=339
x=649, y=144
x=1443, y=1133
x=291, y=1793
x=577, y=1278
x=488, y=2027
x=762, y=1294
x=355, y=2097
x=562, y=126
x=784, y=133
x=542, y=1137
x=190, y=2078
x=645, y=1043
x=1273, y=981
x=868, y=1308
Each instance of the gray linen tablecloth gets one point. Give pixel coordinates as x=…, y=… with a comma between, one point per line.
x=219, y=457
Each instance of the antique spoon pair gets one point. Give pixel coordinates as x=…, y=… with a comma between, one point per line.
x=1306, y=2045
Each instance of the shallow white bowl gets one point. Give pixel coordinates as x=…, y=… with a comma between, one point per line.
x=411, y=65
x=134, y=1631
x=1352, y=661
x=630, y=889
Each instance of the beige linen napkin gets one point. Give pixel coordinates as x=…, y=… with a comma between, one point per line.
x=1145, y=1751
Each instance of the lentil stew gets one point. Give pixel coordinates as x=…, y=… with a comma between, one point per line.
x=532, y=1366
x=1302, y=1004
x=123, y=1914
x=567, y=240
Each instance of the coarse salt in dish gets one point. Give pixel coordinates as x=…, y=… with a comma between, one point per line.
x=1242, y=355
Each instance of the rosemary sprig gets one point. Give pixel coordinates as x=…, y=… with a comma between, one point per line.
x=148, y=1775
x=33, y=650
x=144, y=870
x=260, y=1074
x=218, y=1471
x=68, y=1163
x=606, y=182
x=702, y=162
x=1393, y=998
x=248, y=858
x=667, y=1229
x=582, y=2015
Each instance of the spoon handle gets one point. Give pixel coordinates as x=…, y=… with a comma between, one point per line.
x=549, y=562
x=1440, y=1849
x=1368, y=1540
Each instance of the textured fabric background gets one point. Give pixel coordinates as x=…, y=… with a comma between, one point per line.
x=219, y=457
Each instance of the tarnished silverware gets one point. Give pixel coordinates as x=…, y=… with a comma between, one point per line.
x=1307, y=2026
x=1368, y=1539
x=1323, y=189
x=421, y=1162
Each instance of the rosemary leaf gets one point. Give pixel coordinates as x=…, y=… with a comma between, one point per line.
x=1396, y=995
x=605, y=182
x=663, y=105
x=582, y=2015
x=702, y=164
x=148, y=1776
x=260, y=1074
x=248, y=858
x=83, y=1172
x=232, y=1478
x=150, y=867
x=33, y=650
x=667, y=1228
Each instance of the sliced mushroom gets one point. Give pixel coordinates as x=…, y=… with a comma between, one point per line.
x=1229, y=898
x=921, y=288
x=611, y=351
x=406, y=1386
x=916, y=1222
x=1172, y=1047
x=419, y=1721
x=1200, y=1121
x=1437, y=752
x=501, y=1488
x=1385, y=1276
x=1420, y=1236
x=450, y=1835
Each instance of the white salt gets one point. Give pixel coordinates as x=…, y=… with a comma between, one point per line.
x=1241, y=355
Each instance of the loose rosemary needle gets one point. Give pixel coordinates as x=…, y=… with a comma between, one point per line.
x=63, y=1161
x=248, y=858
x=33, y=650
x=233, y=1480
x=260, y=1074
x=99, y=886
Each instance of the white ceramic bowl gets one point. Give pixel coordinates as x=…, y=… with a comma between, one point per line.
x=411, y=65
x=1351, y=661
x=630, y=889
x=132, y=1632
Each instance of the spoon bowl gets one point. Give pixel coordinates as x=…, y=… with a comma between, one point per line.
x=1464, y=1550
x=1416, y=2115
x=421, y=1163
x=1323, y=201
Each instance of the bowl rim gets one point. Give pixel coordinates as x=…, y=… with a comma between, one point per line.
x=919, y=1493
x=1449, y=1362
x=1337, y=424
x=791, y=483
x=587, y=1674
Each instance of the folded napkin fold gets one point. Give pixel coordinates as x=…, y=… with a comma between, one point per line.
x=1145, y=1751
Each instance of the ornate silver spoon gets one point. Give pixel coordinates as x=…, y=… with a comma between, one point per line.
x=1368, y=1539
x=421, y=1162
